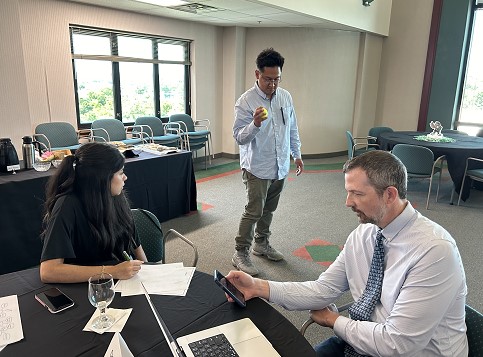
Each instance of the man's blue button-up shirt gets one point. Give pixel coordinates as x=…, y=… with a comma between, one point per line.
x=265, y=151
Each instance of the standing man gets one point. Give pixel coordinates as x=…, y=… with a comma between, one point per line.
x=266, y=130
x=403, y=271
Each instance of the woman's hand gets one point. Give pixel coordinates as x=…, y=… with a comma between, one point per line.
x=125, y=270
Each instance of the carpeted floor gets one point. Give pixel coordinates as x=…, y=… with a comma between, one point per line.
x=311, y=226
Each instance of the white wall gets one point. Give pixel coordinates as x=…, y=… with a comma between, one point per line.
x=233, y=81
x=13, y=86
x=402, y=64
x=320, y=72
x=367, y=84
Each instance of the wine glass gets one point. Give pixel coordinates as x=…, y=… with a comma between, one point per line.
x=101, y=294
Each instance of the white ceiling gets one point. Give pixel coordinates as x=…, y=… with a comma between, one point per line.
x=245, y=13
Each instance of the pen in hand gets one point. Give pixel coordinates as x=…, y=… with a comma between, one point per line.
x=126, y=256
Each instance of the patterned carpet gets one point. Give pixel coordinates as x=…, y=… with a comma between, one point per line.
x=316, y=250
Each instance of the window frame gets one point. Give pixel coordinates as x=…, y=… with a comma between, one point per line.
x=114, y=58
x=476, y=6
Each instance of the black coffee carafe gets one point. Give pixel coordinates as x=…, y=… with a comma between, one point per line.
x=8, y=156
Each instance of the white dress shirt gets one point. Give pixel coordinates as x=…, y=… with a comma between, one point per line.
x=422, y=307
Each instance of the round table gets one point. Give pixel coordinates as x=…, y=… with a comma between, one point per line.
x=204, y=306
x=456, y=152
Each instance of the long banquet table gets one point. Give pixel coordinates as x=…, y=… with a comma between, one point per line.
x=456, y=152
x=204, y=306
x=164, y=185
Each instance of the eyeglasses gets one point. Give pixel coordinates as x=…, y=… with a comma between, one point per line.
x=271, y=80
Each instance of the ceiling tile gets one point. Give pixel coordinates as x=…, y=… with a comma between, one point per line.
x=245, y=13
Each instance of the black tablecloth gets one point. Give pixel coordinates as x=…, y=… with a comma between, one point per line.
x=164, y=185
x=204, y=306
x=456, y=153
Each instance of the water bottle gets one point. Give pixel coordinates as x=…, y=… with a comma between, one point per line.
x=28, y=152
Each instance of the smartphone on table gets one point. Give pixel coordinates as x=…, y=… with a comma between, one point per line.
x=54, y=300
x=230, y=289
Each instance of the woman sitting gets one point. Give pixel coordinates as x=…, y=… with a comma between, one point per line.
x=88, y=223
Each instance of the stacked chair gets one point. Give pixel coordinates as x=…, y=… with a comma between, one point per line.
x=195, y=134
x=57, y=136
x=164, y=134
x=114, y=130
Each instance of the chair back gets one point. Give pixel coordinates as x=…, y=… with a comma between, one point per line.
x=184, y=118
x=59, y=134
x=115, y=129
x=154, y=123
x=350, y=144
x=149, y=231
x=474, y=331
x=378, y=130
x=418, y=160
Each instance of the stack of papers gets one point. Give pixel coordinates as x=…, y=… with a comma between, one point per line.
x=10, y=324
x=159, y=279
x=156, y=149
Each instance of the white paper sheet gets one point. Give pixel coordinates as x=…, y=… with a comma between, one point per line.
x=159, y=279
x=10, y=323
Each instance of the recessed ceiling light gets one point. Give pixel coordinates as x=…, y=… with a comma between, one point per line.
x=164, y=2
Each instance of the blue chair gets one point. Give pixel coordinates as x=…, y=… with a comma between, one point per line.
x=114, y=130
x=165, y=134
x=475, y=174
x=149, y=231
x=376, y=131
x=358, y=145
x=57, y=136
x=420, y=163
x=194, y=134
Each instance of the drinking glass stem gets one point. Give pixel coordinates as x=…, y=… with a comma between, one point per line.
x=102, y=308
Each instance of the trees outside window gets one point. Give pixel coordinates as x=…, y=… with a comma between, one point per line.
x=471, y=110
x=124, y=76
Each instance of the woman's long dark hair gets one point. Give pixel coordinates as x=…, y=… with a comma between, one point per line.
x=88, y=174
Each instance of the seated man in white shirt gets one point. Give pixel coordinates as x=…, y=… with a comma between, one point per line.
x=421, y=307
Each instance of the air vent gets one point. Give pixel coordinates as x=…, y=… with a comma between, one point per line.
x=195, y=8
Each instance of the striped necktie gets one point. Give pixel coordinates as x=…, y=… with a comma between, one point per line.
x=363, y=308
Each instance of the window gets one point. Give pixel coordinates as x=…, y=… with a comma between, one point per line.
x=125, y=75
x=471, y=109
